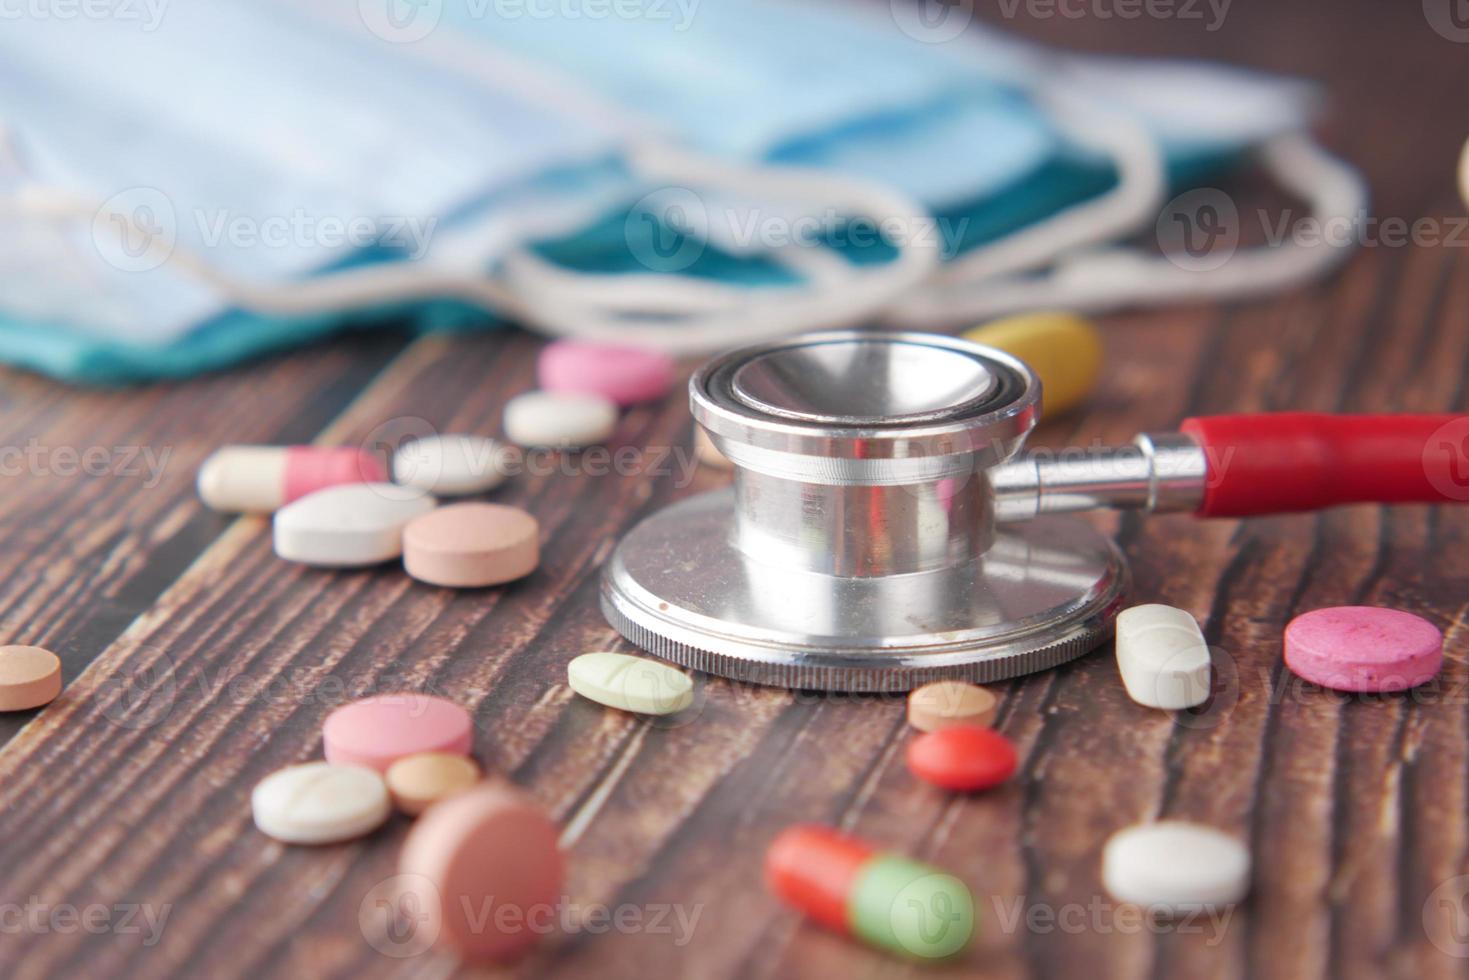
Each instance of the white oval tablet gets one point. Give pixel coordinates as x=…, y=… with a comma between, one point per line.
x=320, y=803
x=561, y=419
x=630, y=683
x=1175, y=866
x=450, y=465
x=349, y=525
x=1162, y=657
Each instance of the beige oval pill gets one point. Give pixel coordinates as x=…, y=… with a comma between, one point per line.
x=319, y=803
x=630, y=683
x=418, y=781
x=944, y=704
x=470, y=545
x=29, y=677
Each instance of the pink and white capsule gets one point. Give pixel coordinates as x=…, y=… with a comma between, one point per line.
x=262, y=479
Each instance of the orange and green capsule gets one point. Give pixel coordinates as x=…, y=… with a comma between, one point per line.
x=886, y=900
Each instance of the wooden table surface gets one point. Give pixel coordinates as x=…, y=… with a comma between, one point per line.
x=196, y=663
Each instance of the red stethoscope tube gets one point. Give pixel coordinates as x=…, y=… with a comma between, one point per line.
x=1293, y=461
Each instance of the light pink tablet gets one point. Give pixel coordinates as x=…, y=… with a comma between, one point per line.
x=625, y=375
x=470, y=545
x=1363, y=648
x=483, y=870
x=378, y=731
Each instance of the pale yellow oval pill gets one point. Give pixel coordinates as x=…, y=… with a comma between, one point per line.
x=1063, y=349
x=630, y=683
x=944, y=704
x=29, y=677
x=418, y=781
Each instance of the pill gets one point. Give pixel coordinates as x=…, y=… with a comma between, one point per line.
x=1063, y=349
x=964, y=757
x=563, y=420
x=636, y=684
x=1162, y=657
x=416, y=782
x=351, y=525
x=483, y=873
x=625, y=375
x=944, y=704
x=1363, y=648
x=1175, y=867
x=319, y=803
x=29, y=677
x=376, y=732
x=472, y=544
x=707, y=453
x=451, y=466
x=261, y=479
x=886, y=900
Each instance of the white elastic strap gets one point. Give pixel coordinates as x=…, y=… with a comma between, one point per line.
x=1131, y=204
x=1117, y=277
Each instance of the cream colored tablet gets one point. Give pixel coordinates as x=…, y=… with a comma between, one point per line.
x=1162, y=657
x=349, y=525
x=29, y=677
x=320, y=803
x=471, y=544
x=451, y=466
x=1176, y=867
x=630, y=683
x=564, y=420
x=944, y=704
x=416, y=782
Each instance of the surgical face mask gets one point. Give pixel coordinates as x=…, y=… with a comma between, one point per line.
x=460, y=147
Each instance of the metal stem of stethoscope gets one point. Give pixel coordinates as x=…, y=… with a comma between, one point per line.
x=881, y=531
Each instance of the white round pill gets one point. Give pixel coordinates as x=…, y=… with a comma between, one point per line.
x=450, y=465
x=349, y=525
x=630, y=683
x=560, y=419
x=1175, y=867
x=320, y=803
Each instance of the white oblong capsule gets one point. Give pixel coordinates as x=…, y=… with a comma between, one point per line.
x=560, y=419
x=348, y=526
x=1176, y=867
x=1162, y=657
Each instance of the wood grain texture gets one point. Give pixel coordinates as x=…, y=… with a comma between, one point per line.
x=197, y=663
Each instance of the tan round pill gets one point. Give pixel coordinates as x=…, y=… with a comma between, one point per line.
x=944, y=704
x=29, y=677
x=418, y=781
x=472, y=544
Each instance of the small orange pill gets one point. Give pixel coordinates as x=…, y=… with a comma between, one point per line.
x=29, y=677
x=944, y=704
x=419, y=781
x=470, y=545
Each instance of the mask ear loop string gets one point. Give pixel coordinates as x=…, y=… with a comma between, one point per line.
x=1131, y=204
x=1111, y=278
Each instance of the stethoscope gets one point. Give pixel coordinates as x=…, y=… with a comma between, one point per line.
x=883, y=531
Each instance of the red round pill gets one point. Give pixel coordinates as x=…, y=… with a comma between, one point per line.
x=965, y=757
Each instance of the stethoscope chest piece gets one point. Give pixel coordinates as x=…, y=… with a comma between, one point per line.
x=858, y=549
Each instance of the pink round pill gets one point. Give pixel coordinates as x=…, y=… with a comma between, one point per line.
x=378, y=731
x=1363, y=648
x=625, y=375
